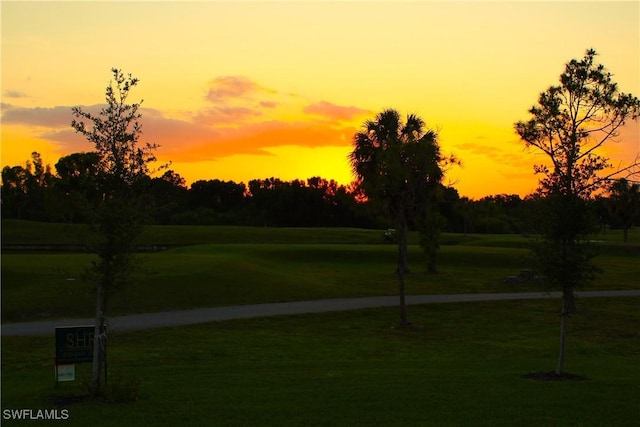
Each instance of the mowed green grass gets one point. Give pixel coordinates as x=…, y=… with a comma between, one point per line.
x=38, y=233
x=462, y=364
x=39, y=286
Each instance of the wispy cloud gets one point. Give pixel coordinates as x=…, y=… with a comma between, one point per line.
x=268, y=104
x=335, y=112
x=218, y=116
x=204, y=137
x=245, y=123
x=503, y=152
x=38, y=116
x=254, y=139
x=14, y=94
x=224, y=88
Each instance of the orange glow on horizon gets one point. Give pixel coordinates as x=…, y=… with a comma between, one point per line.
x=241, y=91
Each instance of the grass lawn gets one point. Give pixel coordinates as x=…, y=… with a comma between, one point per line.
x=461, y=365
x=38, y=233
x=49, y=286
x=41, y=286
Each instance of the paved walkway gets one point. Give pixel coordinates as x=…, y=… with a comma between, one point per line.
x=203, y=315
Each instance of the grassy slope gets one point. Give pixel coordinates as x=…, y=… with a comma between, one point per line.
x=37, y=233
x=50, y=285
x=41, y=286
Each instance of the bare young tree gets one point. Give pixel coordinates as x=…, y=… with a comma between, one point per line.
x=117, y=216
x=571, y=124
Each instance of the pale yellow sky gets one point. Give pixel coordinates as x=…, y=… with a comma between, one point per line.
x=243, y=90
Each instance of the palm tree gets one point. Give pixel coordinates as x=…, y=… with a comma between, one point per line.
x=397, y=166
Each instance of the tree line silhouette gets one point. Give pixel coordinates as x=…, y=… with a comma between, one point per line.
x=35, y=191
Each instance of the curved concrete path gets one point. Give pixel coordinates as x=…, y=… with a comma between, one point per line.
x=203, y=315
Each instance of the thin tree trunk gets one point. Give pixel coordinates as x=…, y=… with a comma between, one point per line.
x=626, y=234
x=99, y=339
x=563, y=334
x=403, y=263
x=404, y=322
x=567, y=307
x=401, y=269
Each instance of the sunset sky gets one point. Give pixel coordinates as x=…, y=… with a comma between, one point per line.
x=244, y=90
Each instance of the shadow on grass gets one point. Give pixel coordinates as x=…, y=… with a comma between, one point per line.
x=120, y=390
x=553, y=376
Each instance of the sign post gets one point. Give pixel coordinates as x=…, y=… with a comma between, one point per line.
x=74, y=344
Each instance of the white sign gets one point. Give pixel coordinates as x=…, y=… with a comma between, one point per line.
x=66, y=372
